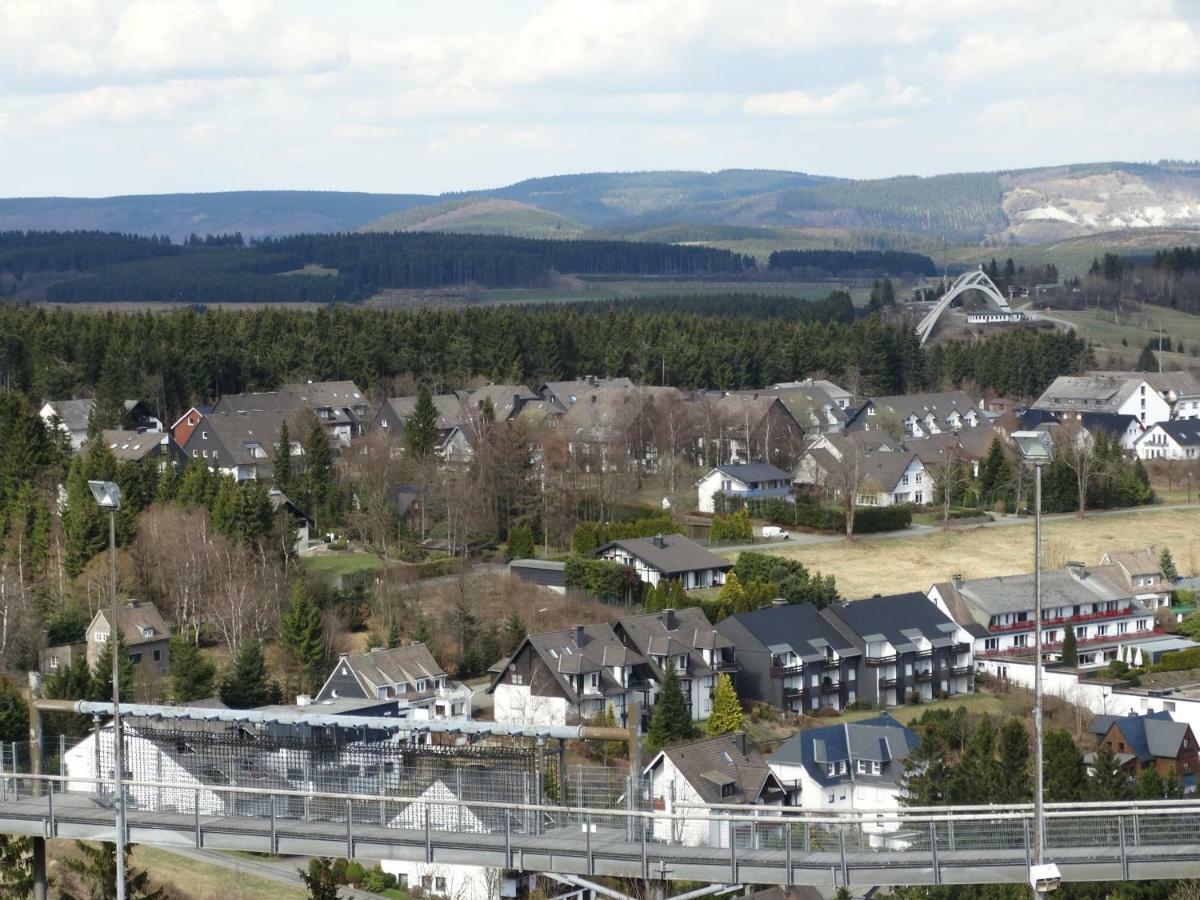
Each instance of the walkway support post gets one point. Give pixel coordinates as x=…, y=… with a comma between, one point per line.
x=35, y=768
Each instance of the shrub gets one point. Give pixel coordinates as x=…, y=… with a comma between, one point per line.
x=602, y=578
x=914, y=698
x=870, y=519
x=355, y=872
x=589, y=536
x=861, y=704
x=826, y=712
x=1179, y=660
x=337, y=545
x=377, y=881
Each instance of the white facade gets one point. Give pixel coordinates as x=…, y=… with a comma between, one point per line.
x=77, y=437
x=842, y=796
x=670, y=792
x=1156, y=443
x=718, y=482
x=696, y=578
x=516, y=704
x=913, y=486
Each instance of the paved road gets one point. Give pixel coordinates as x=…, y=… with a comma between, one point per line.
x=804, y=539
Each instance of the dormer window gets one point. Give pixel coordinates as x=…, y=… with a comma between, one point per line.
x=401, y=688
x=147, y=631
x=420, y=684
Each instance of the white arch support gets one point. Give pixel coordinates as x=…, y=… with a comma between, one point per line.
x=968, y=281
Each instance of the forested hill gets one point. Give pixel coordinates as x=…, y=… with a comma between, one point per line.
x=1025, y=206
x=103, y=267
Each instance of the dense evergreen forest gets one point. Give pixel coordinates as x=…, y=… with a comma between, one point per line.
x=181, y=357
x=852, y=263
x=837, y=307
x=113, y=267
x=1167, y=278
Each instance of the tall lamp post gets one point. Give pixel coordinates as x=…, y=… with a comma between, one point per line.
x=1035, y=450
x=108, y=496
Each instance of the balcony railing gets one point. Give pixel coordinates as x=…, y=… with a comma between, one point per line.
x=725, y=665
x=881, y=660
x=888, y=682
x=829, y=663
x=778, y=671
x=1080, y=642
x=926, y=675
x=829, y=686
x=960, y=670
x=1082, y=617
x=793, y=692
x=961, y=648
x=925, y=654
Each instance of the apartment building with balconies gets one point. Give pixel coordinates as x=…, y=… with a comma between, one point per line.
x=999, y=614
x=793, y=657
x=910, y=648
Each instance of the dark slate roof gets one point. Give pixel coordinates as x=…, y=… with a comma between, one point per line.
x=449, y=410
x=565, y=654
x=74, y=414
x=1032, y=418
x=881, y=739
x=798, y=626
x=397, y=665
x=709, y=764
x=131, y=446
x=1114, y=424
x=261, y=401
x=900, y=619
x=692, y=633
x=678, y=554
x=756, y=471
x=1152, y=736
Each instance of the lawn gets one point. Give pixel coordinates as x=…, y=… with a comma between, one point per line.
x=1107, y=329
x=349, y=563
x=894, y=565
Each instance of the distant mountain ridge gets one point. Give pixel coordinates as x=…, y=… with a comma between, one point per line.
x=1030, y=206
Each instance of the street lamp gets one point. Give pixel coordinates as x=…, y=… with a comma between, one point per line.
x=1036, y=450
x=108, y=496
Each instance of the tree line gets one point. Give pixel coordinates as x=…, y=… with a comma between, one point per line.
x=852, y=263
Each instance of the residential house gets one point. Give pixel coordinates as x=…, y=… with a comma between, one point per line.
x=793, y=657
x=687, y=779
x=143, y=630
x=909, y=648
x=818, y=406
x=740, y=426
x=137, y=446
x=743, y=481
x=567, y=676
x=1151, y=741
x=409, y=675
x=507, y=399
x=1140, y=573
x=1125, y=395
x=841, y=397
x=301, y=524
x=240, y=444
x=848, y=767
x=70, y=417
x=565, y=394
x=618, y=429
x=670, y=557
x=884, y=470
x=685, y=640
x=183, y=427
x=1180, y=389
x=917, y=415
x=892, y=479
x=340, y=406
x=452, y=413
x=1175, y=440
x=998, y=613
x=969, y=446
x=59, y=656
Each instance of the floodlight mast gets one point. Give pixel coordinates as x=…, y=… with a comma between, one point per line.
x=108, y=496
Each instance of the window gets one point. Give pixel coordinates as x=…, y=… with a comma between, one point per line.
x=918, y=477
x=861, y=767
x=402, y=688
x=52, y=662
x=420, y=684
x=402, y=881
x=157, y=655
x=904, y=479
x=101, y=637
x=516, y=678
x=204, y=435
x=991, y=643
x=852, y=674
x=440, y=884
x=426, y=882
x=728, y=790
x=135, y=658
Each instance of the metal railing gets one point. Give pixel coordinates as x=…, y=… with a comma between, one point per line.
x=727, y=843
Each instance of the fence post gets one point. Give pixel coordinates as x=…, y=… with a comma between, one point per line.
x=807, y=838
x=733, y=860
x=349, y=829
x=3, y=780
x=950, y=833
x=645, y=865
x=274, y=841
x=933, y=856
x=383, y=802
x=1121, y=840
x=1025, y=837
x=1137, y=830
x=428, y=838
x=196, y=808
x=842, y=852
x=587, y=825
x=62, y=755
x=508, y=859
x=787, y=855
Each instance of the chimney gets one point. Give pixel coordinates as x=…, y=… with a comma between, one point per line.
x=580, y=637
x=669, y=621
x=659, y=542
x=957, y=579
x=592, y=380
x=303, y=699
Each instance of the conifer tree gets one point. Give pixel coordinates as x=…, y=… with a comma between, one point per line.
x=301, y=636
x=926, y=773
x=976, y=777
x=1064, y=774
x=1150, y=785
x=420, y=431
x=96, y=867
x=248, y=684
x=281, y=465
x=671, y=721
x=14, y=713
x=726, y=716
x=1108, y=781
x=100, y=686
x=192, y=672
x=16, y=866
x=1070, y=651
x=1014, y=785
x=318, y=473
x=1167, y=563
x=520, y=542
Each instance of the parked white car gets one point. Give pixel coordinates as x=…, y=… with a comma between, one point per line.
x=774, y=532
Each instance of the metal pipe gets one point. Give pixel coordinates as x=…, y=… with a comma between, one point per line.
x=114, y=643
x=1039, y=817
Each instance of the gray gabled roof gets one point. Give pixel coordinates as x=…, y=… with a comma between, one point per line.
x=881, y=739
x=982, y=598
x=132, y=446
x=900, y=619
x=74, y=414
x=677, y=554
x=749, y=473
x=651, y=635
x=798, y=627
x=576, y=651
x=710, y=764
x=397, y=665
x=1152, y=736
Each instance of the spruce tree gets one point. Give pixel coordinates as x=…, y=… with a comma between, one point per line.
x=248, y=684
x=302, y=637
x=16, y=866
x=1150, y=785
x=96, y=867
x=926, y=773
x=319, y=879
x=281, y=465
x=14, y=713
x=1146, y=361
x=100, y=686
x=1014, y=784
x=1064, y=775
x=726, y=716
x=671, y=722
x=976, y=777
x=318, y=473
x=420, y=431
x=192, y=672
x=520, y=542
x=1167, y=563
x=1108, y=781
x=1070, y=651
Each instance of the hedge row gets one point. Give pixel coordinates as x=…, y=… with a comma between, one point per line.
x=589, y=536
x=867, y=519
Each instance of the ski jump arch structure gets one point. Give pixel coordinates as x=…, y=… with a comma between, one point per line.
x=968, y=281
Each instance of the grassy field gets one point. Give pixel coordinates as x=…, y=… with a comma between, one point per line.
x=1108, y=329
x=334, y=564
x=894, y=565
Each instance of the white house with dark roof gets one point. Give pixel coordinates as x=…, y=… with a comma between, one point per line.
x=670, y=557
x=1127, y=394
x=567, y=676
x=409, y=675
x=743, y=481
x=849, y=767
x=240, y=443
x=70, y=417
x=687, y=778
x=1140, y=573
x=918, y=415
x=1178, y=439
x=1181, y=389
x=998, y=613
x=685, y=640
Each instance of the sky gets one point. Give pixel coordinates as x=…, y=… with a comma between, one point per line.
x=103, y=97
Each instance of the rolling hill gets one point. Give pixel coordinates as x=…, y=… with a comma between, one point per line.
x=1031, y=206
